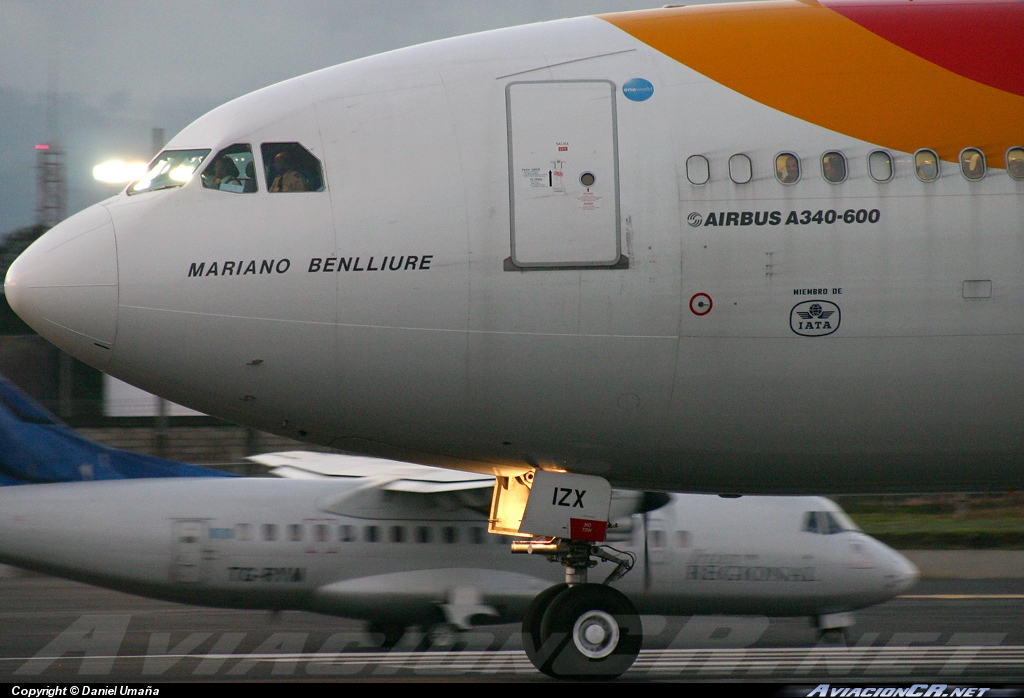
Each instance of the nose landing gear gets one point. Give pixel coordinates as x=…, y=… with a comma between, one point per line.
x=579, y=630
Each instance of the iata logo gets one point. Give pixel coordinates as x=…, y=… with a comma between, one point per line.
x=815, y=318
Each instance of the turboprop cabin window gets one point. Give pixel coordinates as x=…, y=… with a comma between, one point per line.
x=232, y=169
x=289, y=167
x=171, y=168
x=972, y=163
x=926, y=162
x=787, y=168
x=1015, y=162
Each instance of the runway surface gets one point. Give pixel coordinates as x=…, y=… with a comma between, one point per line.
x=953, y=631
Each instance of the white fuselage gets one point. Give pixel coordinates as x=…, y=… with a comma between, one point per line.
x=208, y=542
x=430, y=305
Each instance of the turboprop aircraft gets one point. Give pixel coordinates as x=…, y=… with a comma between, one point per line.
x=385, y=541
x=756, y=248
x=400, y=545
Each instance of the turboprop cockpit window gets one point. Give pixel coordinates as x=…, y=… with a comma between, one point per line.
x=1015, y=162
x=171, y=168
x=289, y=167
x=827, y=522
x=232, y=170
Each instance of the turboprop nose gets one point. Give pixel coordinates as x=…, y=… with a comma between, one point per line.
x=65, y=286
x=898, y=573
x=902, y=571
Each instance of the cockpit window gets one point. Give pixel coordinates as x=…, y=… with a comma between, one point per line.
x=171, y=168
x=828, y=522
x=232, y=170
x=289, y=167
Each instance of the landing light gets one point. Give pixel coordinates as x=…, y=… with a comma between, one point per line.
x=118, y=171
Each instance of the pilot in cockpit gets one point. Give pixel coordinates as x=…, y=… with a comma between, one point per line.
x=223, y=175
x=286, y=176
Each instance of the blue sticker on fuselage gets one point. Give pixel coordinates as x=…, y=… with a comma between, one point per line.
x=638, y=89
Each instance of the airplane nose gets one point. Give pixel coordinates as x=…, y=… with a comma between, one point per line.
x=905, y=573
x=900, y=574
x=65, y=286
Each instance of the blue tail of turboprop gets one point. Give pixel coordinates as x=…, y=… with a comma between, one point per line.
x=36, y=447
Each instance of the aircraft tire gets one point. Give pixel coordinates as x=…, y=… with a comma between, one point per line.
x=532, y=620
x=588, y=632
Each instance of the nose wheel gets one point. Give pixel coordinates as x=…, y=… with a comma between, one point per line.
x=584, y=631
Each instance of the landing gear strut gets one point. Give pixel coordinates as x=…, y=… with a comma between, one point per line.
x=578, y=630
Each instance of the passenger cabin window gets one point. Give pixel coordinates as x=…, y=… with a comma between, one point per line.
x=1015, y=162
x=450, y=534
x=740, y=170
x=269, y=531
x=972, y=163
x=320, y=533
x=346, y=533
x=398, y=534
x=683, y=539
x=232, y=169
x=423, y=534
x=787, y=168
x=171, y=168
x=698, y=171
x=833, y=167
x=370, y=534
x=289, y=167
x=880, y=166
x=926, y=162
x=295, y=532
x=243, y=531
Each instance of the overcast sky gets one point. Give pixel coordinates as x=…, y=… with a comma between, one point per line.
x=128, y=66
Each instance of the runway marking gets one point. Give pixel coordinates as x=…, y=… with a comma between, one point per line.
x=960, y=597
x=778, y=663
